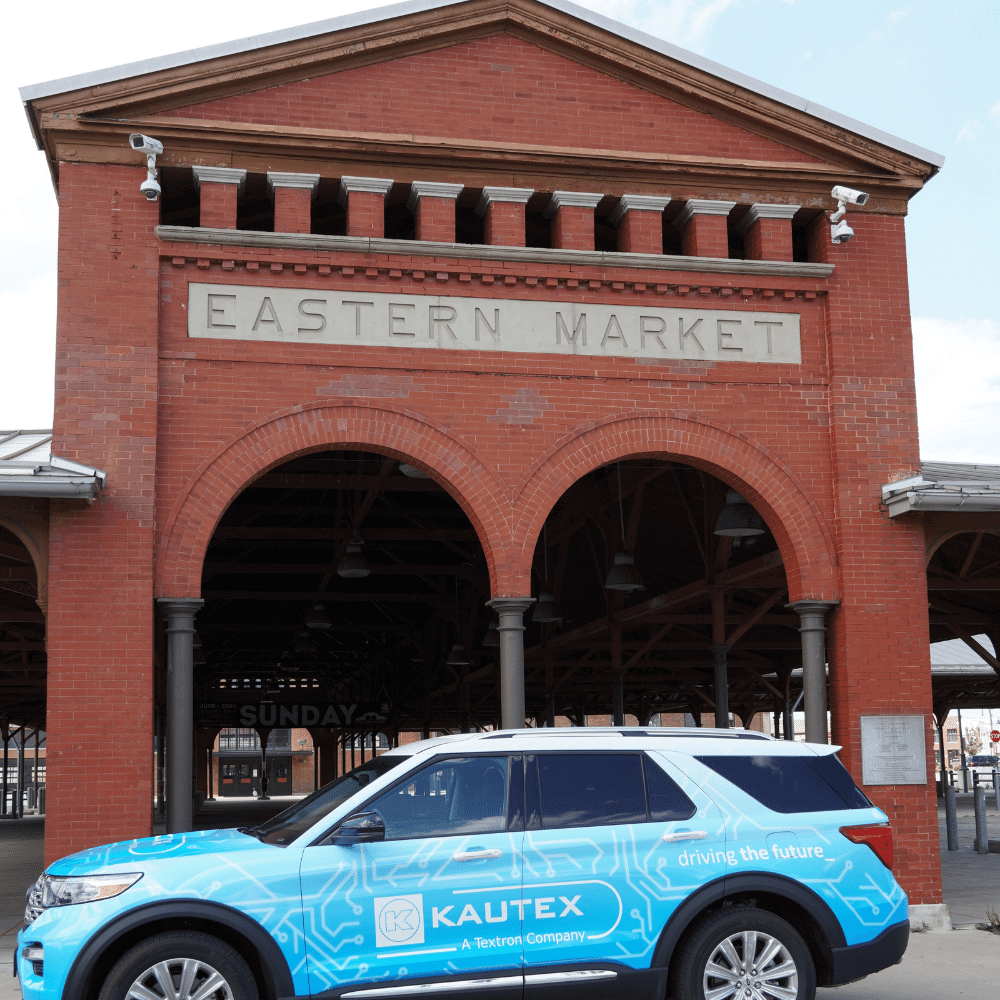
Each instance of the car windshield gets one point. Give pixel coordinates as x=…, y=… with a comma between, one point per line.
x=296, y=819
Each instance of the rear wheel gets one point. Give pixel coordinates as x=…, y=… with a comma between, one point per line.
x=742, y=953
x=180, y=965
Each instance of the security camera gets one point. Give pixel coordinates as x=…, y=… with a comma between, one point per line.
x=841, y=232
x=144, y=144
x=841, y=193
x=152, y=148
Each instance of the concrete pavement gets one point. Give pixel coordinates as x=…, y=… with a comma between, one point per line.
x=956, y=964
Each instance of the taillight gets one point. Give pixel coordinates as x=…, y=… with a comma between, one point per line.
x=878, y=837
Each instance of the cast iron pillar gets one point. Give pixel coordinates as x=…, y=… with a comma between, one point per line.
x=812, y=616
x=719, y=651
x=510, y=611
x=180, y=612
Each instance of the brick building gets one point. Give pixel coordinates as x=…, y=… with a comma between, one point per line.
x=487, y=301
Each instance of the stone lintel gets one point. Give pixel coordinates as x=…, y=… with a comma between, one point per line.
x=219, y=175
x=702, y=206
x=638, y=203
x=431, y=189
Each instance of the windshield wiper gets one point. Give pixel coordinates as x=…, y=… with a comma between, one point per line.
x=251, y=831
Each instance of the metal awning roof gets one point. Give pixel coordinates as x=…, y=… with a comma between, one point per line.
x=29, y=469
x=946, y=486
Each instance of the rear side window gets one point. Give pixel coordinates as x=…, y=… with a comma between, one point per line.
x=596, y=789
x=792, y=784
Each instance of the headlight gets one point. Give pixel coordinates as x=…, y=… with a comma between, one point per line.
x=55, y=890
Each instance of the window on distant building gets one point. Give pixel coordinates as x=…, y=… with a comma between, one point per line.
x=954, y=756
x=953, y=735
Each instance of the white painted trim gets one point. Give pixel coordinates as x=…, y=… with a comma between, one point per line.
x=298, y=182
x=571, y=199
x=478, y=251
x=763, y=211
x=371, y=185
x=638, y=203
x=431, y=189
x=219, y=175
x=512, y=196
x=702, y=206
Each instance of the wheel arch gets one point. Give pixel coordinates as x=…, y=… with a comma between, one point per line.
x=806, y=911
x=253, y=943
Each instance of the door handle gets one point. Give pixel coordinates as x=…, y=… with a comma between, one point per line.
x=476, y=855
x=671, y=838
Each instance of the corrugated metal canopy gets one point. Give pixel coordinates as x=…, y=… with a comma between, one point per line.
x=29, y=469
x=946, y=486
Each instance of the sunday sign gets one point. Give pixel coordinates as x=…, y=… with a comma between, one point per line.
x=373, y=319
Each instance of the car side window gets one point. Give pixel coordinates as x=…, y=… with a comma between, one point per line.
x=667, y=803
x=589, y=789
x=447, y=798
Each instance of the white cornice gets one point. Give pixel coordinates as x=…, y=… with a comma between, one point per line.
x=702, y=206
x=571, y=199
x=638, y=203
x=515, y=196
x=219, y=175
x=370, y=185
x=298, y=182
x=431, y=189
x=235, y=238
x=764, y=211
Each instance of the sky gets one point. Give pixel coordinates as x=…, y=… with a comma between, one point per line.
x=923, y=71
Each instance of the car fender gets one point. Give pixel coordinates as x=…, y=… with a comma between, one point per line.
x=749, y=884
x=272, y=960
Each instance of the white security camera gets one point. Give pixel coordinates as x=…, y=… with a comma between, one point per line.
x=843, y=195
x=840, y=231
x=152, y=148
x=144, y=144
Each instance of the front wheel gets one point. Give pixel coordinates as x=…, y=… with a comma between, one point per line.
x=180, y=965
x=742, y=953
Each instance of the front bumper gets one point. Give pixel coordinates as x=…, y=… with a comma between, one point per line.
x=859, y=960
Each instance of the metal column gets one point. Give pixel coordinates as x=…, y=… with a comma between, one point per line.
x=510, y=611
x=719, y=651
x=812, y=615
x=180, y=614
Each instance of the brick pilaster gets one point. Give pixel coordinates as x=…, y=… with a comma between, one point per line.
x=767, y=232
x=219, y=189
x=364, y=200
x=639, y=218
x=572, y=215
x=503, y=210
x=293, y=195
x=433, y=207
x=703, y=228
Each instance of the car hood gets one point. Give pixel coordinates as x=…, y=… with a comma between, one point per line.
x=132, y=855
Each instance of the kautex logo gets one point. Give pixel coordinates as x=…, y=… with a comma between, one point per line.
x=542, y=908
x=399, y=920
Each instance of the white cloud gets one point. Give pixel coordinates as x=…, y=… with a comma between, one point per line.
x=27, y=346
x=994, y=112
x=970, y=131
x=684, y=22
x=896, y=16
x=958, y=389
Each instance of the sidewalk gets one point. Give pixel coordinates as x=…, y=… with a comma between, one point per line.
x=963, y=963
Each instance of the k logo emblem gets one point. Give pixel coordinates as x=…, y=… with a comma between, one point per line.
x=399, y=920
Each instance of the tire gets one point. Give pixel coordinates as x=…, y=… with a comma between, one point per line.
x=180, y=965
x=709, y=964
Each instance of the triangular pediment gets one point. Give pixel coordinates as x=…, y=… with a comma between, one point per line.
x=497, y=89
x=512, y=82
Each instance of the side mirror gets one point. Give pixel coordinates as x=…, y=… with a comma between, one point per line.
x=361, y=828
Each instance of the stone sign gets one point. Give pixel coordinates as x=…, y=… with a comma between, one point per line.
x=893, y=750
x=370, y=319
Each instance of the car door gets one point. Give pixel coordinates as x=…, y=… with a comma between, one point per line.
x=436, y=899
x=612, y=847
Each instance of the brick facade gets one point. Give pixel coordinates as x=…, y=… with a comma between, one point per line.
x=182, y=425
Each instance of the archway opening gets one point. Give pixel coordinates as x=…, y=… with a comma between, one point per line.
x=712, y=582
x=345, y=605
x=22, y=681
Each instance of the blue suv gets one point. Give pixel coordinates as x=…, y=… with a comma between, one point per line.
x=552, y=864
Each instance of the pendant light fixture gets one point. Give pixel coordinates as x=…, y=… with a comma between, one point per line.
x=623, y=575
x=318, y=618
x=304, y=644
x=545, y=610
x=457, y=657
x=353, y=566
x=738, y=520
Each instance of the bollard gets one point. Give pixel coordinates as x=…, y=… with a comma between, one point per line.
x=41, y=800
x=982, y=837
x=951, y=817
x=996, y=789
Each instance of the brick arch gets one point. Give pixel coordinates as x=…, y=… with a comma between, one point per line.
x=32, y=532
x=764, y=479
x=260, y=447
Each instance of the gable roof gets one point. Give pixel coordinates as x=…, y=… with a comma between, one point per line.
x=739, y=80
